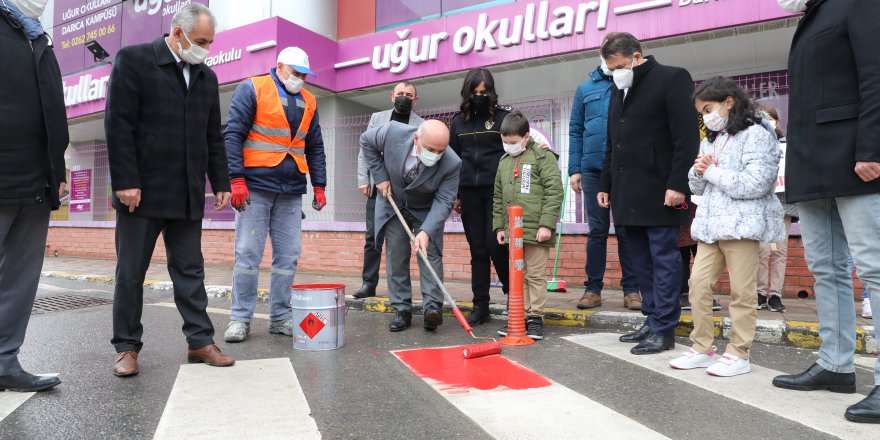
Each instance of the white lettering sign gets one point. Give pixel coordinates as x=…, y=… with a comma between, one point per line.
x=229, y=56
x=88, y=89
x=152, y=7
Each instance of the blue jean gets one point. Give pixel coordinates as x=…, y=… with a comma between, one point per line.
x=832, y=230
x=599, y=221
x=865, y=292
x=281, y=216
x=657, y=261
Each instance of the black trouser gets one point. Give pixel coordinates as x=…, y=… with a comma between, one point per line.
x=23, y=232
x=476, y=216
x=686, y=252
x=135, y=240
x=372, y=248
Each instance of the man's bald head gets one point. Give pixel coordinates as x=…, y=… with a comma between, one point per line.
x=433, y=136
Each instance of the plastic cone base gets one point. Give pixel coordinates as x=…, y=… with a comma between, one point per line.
x=511, y=340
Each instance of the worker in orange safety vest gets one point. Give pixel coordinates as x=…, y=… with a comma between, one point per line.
x=273, y=140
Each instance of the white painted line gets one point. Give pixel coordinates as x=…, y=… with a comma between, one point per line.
x=820, y=410
x=350, y=63
x=252, y=399
x=642, y=6
x=507, y=413
x=210, y=310
x=11, y=400
x=866, y=361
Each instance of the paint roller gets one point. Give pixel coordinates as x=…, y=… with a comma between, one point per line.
x=469, y=351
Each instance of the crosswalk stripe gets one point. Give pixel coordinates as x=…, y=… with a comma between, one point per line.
x=819, y=410
x=512, y=402
x=252, y=399
x=210, y=310
x=10, y=401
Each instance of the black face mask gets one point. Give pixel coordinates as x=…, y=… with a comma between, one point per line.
x=403, y=105
x=479, y=102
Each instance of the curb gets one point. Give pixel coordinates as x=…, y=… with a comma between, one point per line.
x=799, y=334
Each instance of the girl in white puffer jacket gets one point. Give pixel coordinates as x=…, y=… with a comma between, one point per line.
x=735, y=174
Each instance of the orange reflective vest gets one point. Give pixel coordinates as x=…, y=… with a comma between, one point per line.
x=269, y=140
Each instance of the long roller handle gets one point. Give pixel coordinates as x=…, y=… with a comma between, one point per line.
x=455, y=310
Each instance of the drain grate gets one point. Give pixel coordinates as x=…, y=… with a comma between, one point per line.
x=66, y=302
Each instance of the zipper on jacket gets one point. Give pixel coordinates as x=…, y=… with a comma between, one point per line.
x=476, y=163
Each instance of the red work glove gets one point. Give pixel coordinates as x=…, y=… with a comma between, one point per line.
x=320, y=200
x=240, y=194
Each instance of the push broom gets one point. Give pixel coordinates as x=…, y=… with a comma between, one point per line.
x=469, y=351
x=555, y=284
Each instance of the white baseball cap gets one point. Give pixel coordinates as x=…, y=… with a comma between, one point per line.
x=296, y=58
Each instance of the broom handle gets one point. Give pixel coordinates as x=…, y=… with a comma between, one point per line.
x=559, y=231
x=455, y=309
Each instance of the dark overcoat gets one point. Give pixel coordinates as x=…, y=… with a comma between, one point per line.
x=653, y=139
x=163, y=137
x=834, y=100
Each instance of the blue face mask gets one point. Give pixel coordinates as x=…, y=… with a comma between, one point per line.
x=428, y=158
x=714, y=121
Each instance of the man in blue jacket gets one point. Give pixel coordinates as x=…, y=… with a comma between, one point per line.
x=273, y=140
x=588, y=133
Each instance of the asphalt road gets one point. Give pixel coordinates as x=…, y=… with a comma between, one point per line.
x=362, y=390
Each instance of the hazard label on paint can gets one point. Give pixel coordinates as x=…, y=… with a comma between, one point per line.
x=312, y=325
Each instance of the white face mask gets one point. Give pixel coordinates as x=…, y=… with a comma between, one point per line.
x=293, y=84
x=623, y=78
x=31, y=8
x=604, y=67
x=715, y=121
x=515, y=149
x=193, y=55
x=428, y=158
x=793, y=6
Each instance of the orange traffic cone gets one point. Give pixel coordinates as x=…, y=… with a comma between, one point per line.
x=516, y=313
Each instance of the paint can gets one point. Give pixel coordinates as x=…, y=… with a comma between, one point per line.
x=318, y=316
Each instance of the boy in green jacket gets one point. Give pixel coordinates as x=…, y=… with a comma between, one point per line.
x=528, y=176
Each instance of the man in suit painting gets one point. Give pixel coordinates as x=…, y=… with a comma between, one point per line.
x=415, y=166
x=404, y=97
x=163, y=136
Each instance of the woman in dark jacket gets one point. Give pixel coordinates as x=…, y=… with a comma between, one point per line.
x=475, y=136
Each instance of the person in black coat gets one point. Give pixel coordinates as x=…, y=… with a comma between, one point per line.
x=833, y=171
x=33, y=137
x=475, y=136
x=653, y=139
x=163, y=136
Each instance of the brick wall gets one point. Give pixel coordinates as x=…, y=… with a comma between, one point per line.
x=341, y=252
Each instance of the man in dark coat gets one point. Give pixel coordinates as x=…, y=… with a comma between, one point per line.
x=163, y=136
x=33, y=125
x=653, y=139
x=833, y=172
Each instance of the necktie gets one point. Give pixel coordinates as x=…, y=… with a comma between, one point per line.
x=411, y=175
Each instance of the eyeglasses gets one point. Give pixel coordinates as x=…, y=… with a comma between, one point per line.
x=682, y=206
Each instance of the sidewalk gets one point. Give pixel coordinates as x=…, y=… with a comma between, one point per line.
x=797, y=326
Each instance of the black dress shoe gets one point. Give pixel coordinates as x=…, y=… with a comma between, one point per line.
x=433, y=317
x=817, y=378
x=866, y=411
x=26, y=382
x=479, y=315
x=654, y=344
x=401, y=321
x=638, y=335
x=365, y=292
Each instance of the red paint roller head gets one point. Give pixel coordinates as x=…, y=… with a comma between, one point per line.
x=482, y=349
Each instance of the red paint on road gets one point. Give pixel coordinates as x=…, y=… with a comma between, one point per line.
x=453, y=373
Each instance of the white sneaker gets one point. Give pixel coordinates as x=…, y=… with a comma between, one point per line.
x=729, y=365
x=866, y=308
x=692, y=359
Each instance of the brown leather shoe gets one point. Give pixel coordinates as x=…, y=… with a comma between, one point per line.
x=632, y=301
x=211, y=355
x=590, y=300
x=126, y=363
